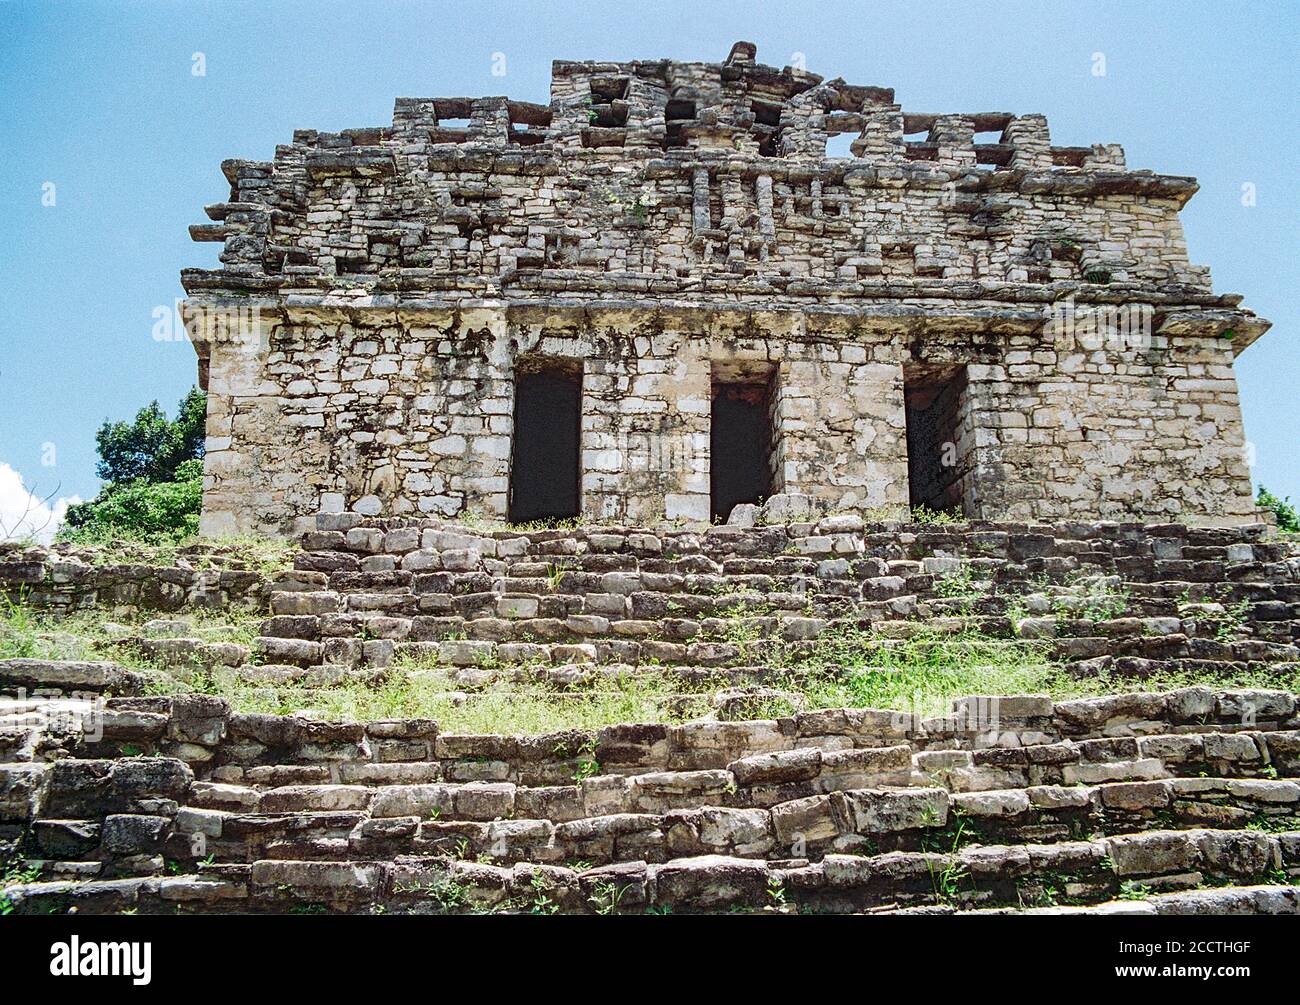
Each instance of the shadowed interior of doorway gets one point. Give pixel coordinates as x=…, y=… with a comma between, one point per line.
x=544, y=478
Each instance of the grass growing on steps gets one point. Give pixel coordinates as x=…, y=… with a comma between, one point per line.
x=921, y=674
x=96, y=635
x=264, y=555
x=507, y=707
x=19, y=635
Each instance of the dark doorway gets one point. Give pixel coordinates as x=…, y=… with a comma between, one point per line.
x=935, y=404
x=740, y=445
x=544, y=471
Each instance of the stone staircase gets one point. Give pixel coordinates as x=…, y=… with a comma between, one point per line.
x=1176, y=801
x=1130, y=599
x=1150, y=802
x=1126, y=599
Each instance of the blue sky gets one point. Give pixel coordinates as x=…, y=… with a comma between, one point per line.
x=99, y=100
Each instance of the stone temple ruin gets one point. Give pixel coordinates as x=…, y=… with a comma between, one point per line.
x=657, y=296
x=645, y=304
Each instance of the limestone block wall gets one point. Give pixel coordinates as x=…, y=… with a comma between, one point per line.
x=703, y=196
x=645, y=427
x=1065, y=430
x=415, y=417
x=412, y=413
x=67, y=580
x=672, y=172
x=837, y=222
x=840, y=427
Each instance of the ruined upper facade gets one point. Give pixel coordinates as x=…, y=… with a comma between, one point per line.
x=657, y=296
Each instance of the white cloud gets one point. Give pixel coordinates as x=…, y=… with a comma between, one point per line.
x=25, y=515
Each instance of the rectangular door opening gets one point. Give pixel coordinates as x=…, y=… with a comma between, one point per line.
x=937, y=411
x=740, y=437
x=544, y=469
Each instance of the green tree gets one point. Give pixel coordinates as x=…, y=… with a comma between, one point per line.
x=1287, y=518
x=153, y=473
x=152, y=447
x=151, y=511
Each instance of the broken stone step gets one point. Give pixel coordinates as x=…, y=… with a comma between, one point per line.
x=67, y=677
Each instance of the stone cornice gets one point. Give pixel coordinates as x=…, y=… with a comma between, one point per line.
x=934, y=304
x=896, y=319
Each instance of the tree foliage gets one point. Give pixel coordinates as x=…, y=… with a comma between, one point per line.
x=152, y=511
x=1287, y=518
x=152, y=447
x=153, y=473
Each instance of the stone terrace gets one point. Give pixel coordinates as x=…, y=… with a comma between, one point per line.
x=1158, y=802
x=1164, y=798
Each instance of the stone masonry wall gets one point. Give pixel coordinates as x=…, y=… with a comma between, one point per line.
x=657, y=220
x=416, y=417
x=61, y=582
x=412, y=414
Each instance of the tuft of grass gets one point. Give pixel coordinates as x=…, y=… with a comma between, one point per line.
x=1130, y=889
x=1226, y=622
x=19, y=638
x=100, y=635
x=925, y=515
x=113, y=546
x=923, y=673
x=15, y=871
x=606, y=896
